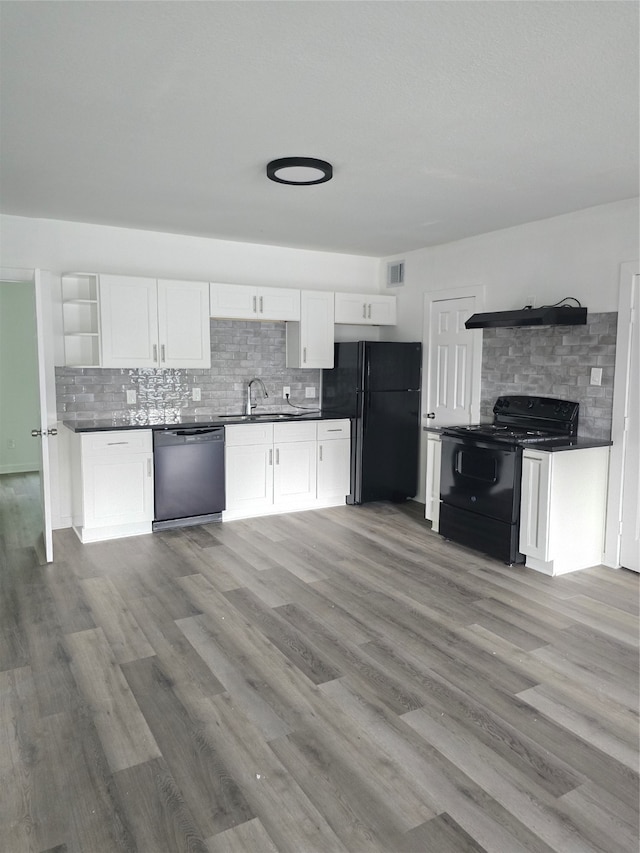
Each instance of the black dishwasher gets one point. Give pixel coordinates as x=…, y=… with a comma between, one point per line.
x=188, y=476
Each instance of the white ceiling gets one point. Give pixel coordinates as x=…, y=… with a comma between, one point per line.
x=442, y=119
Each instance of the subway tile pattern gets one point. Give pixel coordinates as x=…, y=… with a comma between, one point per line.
x=240, y=350
x=554, y=361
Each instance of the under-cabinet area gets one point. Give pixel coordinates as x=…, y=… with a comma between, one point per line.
x=562, y=504
x=283, y=467
x=563, y=509
x=111, y=484
x=269, y=467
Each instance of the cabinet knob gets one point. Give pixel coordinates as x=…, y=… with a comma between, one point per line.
x=430, y=415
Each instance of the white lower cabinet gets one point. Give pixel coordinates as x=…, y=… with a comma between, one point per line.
x=334, y=460
x=432, y=482
x=112, y=484
x=276, y=467
x=563, y=507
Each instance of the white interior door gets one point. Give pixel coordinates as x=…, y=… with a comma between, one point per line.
x=630, y=527
x=452, y=394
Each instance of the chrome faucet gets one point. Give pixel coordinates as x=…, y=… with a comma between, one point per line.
x=251, y=405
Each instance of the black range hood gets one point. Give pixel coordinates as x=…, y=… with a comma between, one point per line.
x=548, y=315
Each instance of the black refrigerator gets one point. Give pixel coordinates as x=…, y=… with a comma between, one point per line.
x=377, y=385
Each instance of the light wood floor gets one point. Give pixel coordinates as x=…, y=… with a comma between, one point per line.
x=335, y=680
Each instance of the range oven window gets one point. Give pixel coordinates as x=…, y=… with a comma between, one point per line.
x=476, y=465
x=480, y=477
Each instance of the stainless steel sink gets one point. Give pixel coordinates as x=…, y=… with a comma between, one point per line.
x=277, y=416
x=271, y=416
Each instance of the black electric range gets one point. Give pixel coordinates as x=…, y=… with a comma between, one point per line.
x=481, y=471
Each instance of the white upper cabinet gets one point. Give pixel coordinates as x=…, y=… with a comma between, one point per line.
x=310, y=342
x=243, y=302
x=183, y=323
x=147, y=322
x=129, y=321
x=365, y=309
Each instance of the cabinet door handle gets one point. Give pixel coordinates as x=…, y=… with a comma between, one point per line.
x=155, y=352
x=162, y=352
x=369, y=312
x=364, y=310
x=304, y=355
x=271, y=457
x=320, y=451
x=261, y=306
x=112, y=443
x=277, y=455
x=148, y=467
x=255, y=309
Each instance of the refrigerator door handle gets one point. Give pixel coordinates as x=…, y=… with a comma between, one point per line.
x=365, y=406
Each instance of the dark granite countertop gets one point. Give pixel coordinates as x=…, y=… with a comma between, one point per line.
x=124, y=423
x=549, y=446
x=568, y=444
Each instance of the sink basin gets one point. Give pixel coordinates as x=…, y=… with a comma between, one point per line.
x=273, y=416
x=277, y=416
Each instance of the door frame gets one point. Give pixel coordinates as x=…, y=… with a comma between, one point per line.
x=478, y=293
x=628, y=313
x=46, y=385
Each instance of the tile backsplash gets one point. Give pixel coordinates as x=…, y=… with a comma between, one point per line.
x=240, y=350
x=554, y=361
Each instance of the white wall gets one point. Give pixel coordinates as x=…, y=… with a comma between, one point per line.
x=19, y=404
x=578, y=254
x=73, y=246
x=61, y=246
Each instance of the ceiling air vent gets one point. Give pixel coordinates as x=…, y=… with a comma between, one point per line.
x=395, y=274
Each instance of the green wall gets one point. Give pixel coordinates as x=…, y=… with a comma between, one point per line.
x=19, y=401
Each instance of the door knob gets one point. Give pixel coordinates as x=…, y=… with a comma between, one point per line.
x=52, y=431
x=431, y=414
x=35, y=433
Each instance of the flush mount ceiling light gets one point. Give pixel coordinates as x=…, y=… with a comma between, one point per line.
x=303, y=171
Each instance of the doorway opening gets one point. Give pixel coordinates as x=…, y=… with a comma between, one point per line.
x=21, y=508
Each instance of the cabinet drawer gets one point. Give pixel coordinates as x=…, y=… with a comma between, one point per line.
x=295, y=431
x=334, y=429
x=118, y=441
x=236, y=435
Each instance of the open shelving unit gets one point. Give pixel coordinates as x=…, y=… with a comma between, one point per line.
x=81, y=320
